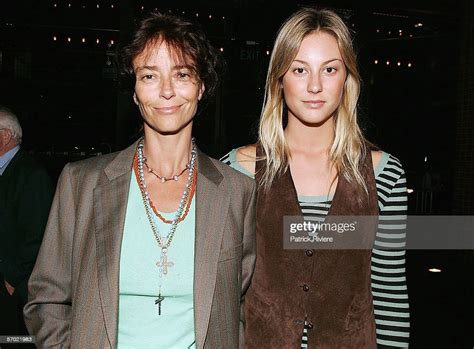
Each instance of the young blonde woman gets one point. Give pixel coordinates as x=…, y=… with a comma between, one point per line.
x=313, y=160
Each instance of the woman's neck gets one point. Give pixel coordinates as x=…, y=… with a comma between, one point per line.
x=167, y=154
x=304, y=138
x=310, y=164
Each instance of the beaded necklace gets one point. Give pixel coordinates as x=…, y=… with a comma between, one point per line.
x=164, y=243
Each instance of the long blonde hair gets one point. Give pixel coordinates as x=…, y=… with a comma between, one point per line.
x=349, y=145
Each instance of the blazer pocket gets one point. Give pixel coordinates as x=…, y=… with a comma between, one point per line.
x=230, y=253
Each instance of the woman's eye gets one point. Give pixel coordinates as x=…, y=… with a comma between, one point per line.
x=299, y=70
x=330, y=70
x=147, y=77
x=183, y=76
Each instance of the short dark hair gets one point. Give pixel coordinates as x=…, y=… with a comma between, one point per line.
x=185, y=38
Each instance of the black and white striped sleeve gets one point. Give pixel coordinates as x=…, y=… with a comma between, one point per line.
x=389, y=288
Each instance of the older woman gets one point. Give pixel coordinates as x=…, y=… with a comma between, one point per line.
x=312, y=160
x=152, y=246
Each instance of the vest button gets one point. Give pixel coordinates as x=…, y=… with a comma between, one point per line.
x=309, y=253
x=309, y=325
x=305, y=288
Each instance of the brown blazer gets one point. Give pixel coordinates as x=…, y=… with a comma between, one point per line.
x=73, y=291
x=331, y=289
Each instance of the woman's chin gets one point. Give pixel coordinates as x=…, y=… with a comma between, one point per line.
x=316, y=121
x=167, y=129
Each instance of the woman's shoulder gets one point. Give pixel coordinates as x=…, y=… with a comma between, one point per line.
x=91, y=167
x=90, y=171
x=376, y=157
x=242, y=159
x=386, y=163
x=237, y=181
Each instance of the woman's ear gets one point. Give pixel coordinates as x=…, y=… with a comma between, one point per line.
x=202, y=88
x=135, y=99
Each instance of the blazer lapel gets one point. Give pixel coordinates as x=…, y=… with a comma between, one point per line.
x=212, y=204
x=110, y=205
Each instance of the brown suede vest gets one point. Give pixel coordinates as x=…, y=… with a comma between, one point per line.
x=331, y=289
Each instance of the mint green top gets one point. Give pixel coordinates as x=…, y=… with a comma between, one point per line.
x=139, y=325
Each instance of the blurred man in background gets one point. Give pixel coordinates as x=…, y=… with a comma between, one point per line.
x=26, y=193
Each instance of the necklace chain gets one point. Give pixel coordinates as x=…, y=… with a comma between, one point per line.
x=165, y=244
x=155, y=211
x=164, y=179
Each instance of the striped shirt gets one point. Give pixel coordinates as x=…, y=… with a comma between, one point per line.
x=389, y=289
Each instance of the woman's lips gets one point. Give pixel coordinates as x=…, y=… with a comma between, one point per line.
x=168, y=110
x=314, y=104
